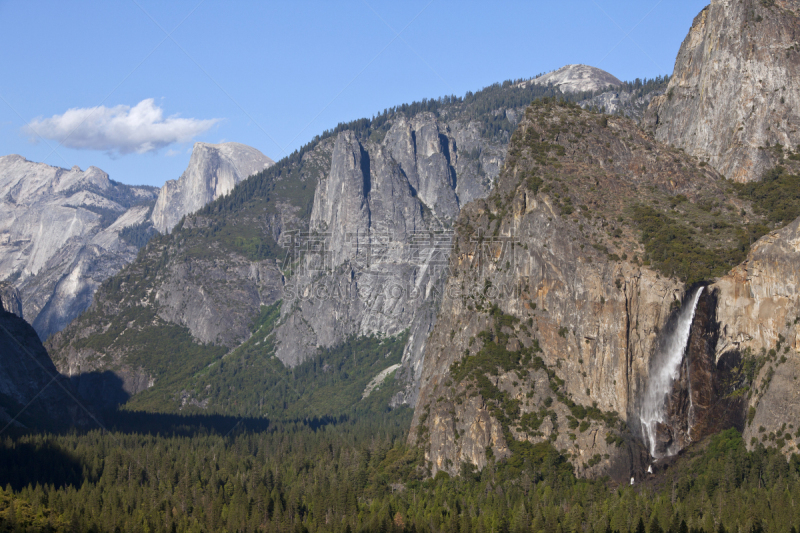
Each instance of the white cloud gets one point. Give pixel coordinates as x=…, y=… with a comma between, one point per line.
x=121, y=129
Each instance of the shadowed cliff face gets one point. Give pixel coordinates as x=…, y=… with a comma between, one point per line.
x=758, y=313
x=32, y=392
x=9, y=300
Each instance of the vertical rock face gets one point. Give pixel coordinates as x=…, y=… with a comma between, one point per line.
x=214, y=170
x=423, y=152
x=381, y=221
x=10, y=301
x=757, y=313
x=701, y=402
x=735, y=87
x=370, y=214
x=212, y=288
x=531, y=278
x=343, y=207
x=60, y=235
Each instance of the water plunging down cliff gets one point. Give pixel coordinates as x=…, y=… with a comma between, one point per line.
x=688, y=394
x=665, y=370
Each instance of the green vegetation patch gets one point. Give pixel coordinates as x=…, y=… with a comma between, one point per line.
x=494, y=357
x=673, y=247
x=776, y=197
x=250, y=381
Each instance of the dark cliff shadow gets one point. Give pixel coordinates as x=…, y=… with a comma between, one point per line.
x=97, y=400
x=709, y=394
x=102, y=396
x=23, y=463
x=103, y=391
x=34, y=394
x=189, y=425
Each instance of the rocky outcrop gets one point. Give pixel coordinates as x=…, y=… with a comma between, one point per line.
x=758, y=314
x=704, y=398
x=735, y=89
x=533, y=276
x=217, y=302
x=214, y=170
x=185, y=284
x=423, y=149
x=60, y=235
x=577, y=78
x=352, y=233
x=381, y=227
x=626, y=103
x=10, y=301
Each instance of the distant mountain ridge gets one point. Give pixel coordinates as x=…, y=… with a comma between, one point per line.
x=603, y=91
x=364, y=191
x=64, y=231
x=60, y=235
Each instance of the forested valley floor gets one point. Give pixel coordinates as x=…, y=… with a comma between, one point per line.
x=189, y=473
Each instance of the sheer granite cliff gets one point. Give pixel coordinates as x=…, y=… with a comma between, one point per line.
x=550, y=316
x=60, y=235
x=382, y=215
x=211, y=275
x=214, y=170
x=10, y=300
x=735, y=89
x=188, y=298
x=758, y=310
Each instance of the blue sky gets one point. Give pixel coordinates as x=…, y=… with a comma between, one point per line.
x=147, y=79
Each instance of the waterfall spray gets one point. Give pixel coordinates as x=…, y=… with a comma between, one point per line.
x=664, y=370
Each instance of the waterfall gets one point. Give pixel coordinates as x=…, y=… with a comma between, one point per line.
x=664, y=370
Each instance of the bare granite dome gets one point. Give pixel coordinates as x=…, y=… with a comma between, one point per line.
x=213, y=171
x=577, y=78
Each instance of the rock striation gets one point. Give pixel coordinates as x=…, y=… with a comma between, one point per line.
x=10, y=301
x=735, y=89
x=703, y=399
x=60, y=235
x=214, y=170
x=383, y=216
x=757, y=319
x=352, y=234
